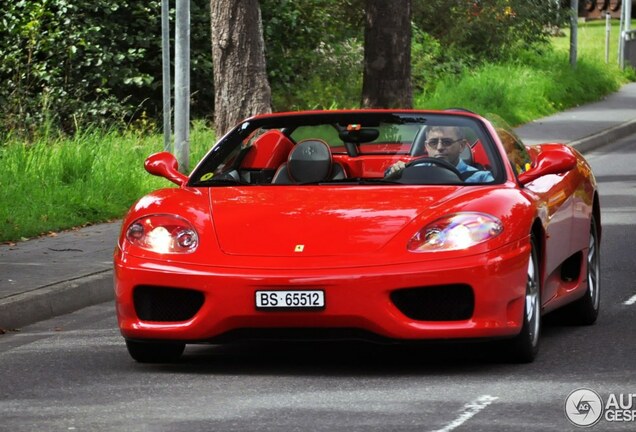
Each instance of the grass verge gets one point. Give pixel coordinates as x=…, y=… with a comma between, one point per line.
x=93, y=177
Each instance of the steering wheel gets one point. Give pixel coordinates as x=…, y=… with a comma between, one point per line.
x=443, y=163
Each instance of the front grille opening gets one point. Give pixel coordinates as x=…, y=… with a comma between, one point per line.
x=436, y=303
x=153, y=303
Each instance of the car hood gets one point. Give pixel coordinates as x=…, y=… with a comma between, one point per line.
x=318, y=220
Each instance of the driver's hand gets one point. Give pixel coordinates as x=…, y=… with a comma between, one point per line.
x=394, y=169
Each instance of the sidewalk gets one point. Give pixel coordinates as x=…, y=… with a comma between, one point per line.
x=51, y=276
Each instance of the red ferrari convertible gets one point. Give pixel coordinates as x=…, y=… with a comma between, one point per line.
x=388, y=225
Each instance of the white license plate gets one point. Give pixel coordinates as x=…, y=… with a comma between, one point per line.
x=290, y=299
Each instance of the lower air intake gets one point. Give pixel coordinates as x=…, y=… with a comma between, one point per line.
x=163, y=304
x=436, y=303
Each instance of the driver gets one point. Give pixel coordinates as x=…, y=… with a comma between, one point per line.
x=446, y=142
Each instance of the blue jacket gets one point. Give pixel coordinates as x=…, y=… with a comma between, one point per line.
x=478, y=177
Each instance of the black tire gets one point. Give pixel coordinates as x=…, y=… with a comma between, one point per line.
x=155, y=352
x=524, y=347
x=585, y=310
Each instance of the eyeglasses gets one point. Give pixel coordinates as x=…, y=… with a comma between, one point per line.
x=446, y=142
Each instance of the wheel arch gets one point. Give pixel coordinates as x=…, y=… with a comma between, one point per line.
x=538, y=232
x=596, y=212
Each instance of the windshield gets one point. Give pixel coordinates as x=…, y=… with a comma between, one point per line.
x=516, y=152
x=363, y=147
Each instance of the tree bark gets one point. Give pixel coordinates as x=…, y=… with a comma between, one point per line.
x=241, y=88
x=387, y=55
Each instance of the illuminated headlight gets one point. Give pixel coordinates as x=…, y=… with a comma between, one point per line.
x=163, y=234
x=454, y=232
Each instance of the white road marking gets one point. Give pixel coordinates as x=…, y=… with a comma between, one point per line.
x=631, y=301
x=470, y=409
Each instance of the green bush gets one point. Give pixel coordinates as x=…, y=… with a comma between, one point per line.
x=314, y=52
x=453, y=37
x=70, y=64
x=487, y=29
x=67, y=65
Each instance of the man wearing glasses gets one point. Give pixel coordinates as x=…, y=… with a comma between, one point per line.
x=447, y=142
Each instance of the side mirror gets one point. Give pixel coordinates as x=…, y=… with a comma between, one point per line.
x=165, y=165
x=552, y=159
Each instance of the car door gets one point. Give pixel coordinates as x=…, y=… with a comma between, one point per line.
x=555, y=197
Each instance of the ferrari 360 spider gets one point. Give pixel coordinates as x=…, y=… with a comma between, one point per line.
x=386, y=225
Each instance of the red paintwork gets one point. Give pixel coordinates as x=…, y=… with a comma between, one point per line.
x=552, y=159
x=354, y=241
x=163, y=164
x=372, y=166
x=357, y=296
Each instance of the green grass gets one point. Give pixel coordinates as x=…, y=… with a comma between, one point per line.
x=533, y=86
x=93, y=177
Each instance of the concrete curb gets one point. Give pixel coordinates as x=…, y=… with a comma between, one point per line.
x=604, y=137
x=57, y=299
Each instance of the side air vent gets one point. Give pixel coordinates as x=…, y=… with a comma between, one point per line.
x=571, y=267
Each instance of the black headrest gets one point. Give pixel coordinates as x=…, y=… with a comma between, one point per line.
x=309, y=161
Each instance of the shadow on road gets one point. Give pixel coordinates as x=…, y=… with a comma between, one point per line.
x=354, y=358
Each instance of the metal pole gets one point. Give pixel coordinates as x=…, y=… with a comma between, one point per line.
x=166, y=80
x=574, y=22
x=620, y=37
x=608, y=26
x=627, y=26
x=182, y=85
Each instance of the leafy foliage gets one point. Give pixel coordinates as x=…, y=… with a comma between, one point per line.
x=492, y=29
x=69, y=64
x=314, y=52
x=315, y=49
x=450, y=36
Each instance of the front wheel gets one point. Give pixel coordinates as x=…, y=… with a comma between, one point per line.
x=155, y=352
x=525, y=346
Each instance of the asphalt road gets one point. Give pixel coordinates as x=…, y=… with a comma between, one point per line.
x=72, y=373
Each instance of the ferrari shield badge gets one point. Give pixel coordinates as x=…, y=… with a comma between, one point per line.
x=299, y=248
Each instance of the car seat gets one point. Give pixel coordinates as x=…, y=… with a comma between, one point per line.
x=309, y=162
x=266, y=154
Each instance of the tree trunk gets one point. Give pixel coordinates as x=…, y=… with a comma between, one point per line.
x=241, y=88
x=387, y=55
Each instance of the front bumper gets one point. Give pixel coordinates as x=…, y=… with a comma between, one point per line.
x=356, y=298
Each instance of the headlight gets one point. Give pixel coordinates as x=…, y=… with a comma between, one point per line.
x=163, y=234
x=454, y=232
